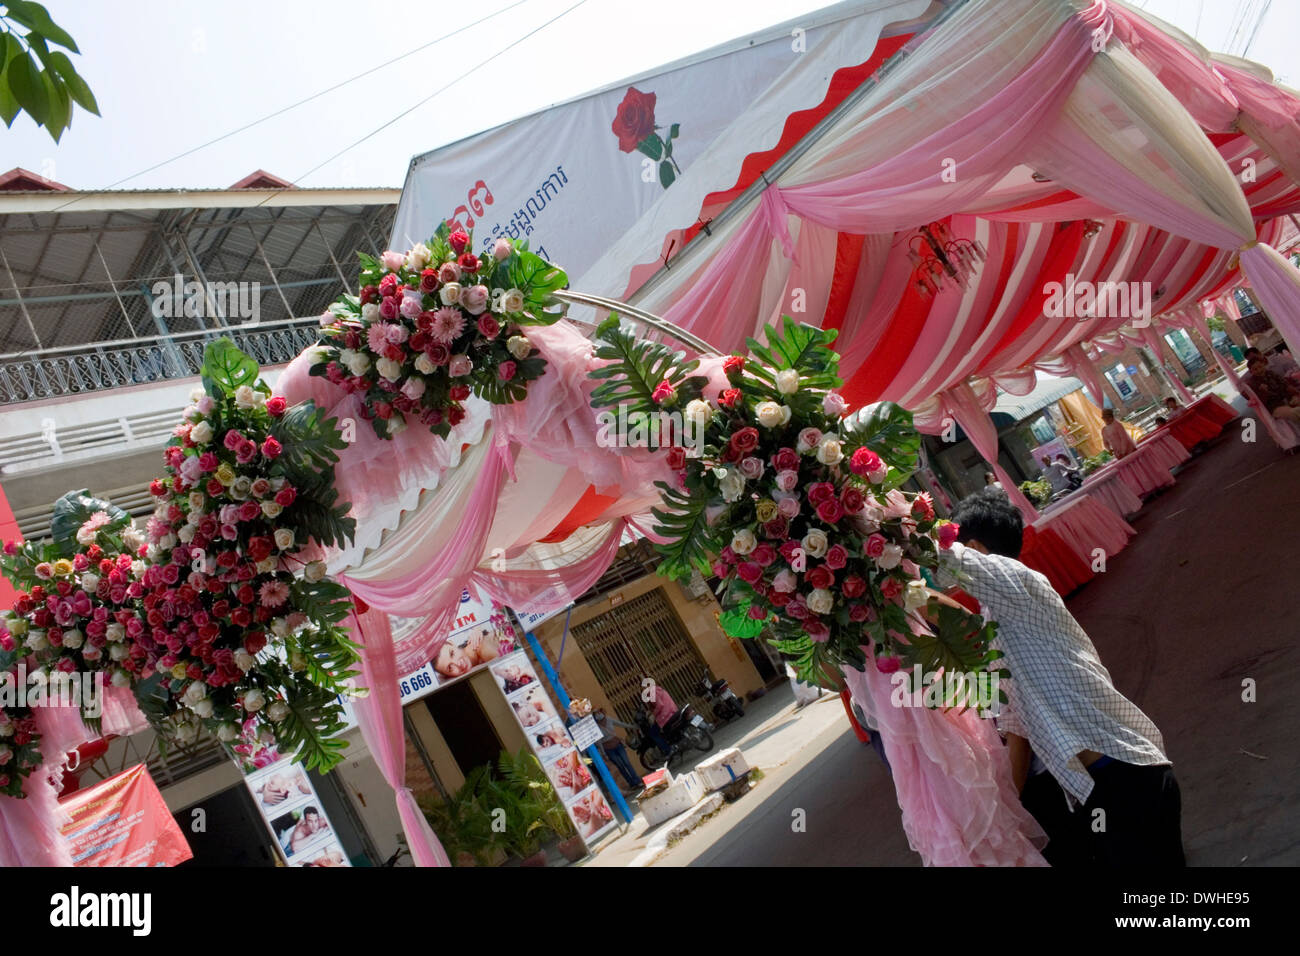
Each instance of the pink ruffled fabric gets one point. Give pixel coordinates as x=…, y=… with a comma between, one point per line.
x=1085, y=525
x=953, y=780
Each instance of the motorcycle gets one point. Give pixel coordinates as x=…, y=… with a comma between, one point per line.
x=726, y=705
x=685, y=731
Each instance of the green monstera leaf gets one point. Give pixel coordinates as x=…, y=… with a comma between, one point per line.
x=72, y=511
x=226, y=368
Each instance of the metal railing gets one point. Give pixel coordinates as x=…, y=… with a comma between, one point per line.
x=98, y=366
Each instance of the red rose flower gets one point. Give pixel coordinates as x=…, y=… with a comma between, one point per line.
x=865, y=461
x=506, y=371
x=922, y=507
x=676, y=458
x=730, y=397
x=276, y=405
x=820, y=577
x=948, y=534
x=635, y=119
x=852, y=500
x=369, y=293
x=246, y=595
x=777, y=528
x=664, y=392
x=469, y=262
x=488, y=327
x=271, y=448
x=891, y=589
x=837, y=557
x=830, y=511
x=787, y=459
x=745, y=440
x=733, y=366
x=764, y=555
x=438, y=354
x=458, y=240
x=254, y=642
x=854, y=586
x=820, y=491
x=285, y=497
x=387, y=285
x=458, y=393
x=241, y=617
x=428, y=280
x=779, y=598
x=749, y=571
x=455, y=415
x=859, y=613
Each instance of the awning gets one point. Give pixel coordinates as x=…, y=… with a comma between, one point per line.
x=1048, y=390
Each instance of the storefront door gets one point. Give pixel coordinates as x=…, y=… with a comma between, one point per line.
x=642, y=637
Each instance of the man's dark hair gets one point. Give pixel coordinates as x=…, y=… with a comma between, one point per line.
x=1252, y=351
x=992, y=520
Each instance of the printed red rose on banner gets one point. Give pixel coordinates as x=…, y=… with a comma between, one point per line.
x=634, y=125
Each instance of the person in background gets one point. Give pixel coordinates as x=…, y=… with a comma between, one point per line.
x=1281, y=364
x=615, y=751
x=1279, y=395
x=1072, y=474
x=991, y=481
x=1172, y=409
x=1100, y=751
x=1114, y=436
x=1055, y=476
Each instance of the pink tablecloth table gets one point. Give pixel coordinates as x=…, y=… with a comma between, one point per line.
x=1086, y=525
x=1165, y=449
x=1110, y=490
x=1142, y=471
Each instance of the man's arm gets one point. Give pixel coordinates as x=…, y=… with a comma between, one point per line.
x=1018, y=750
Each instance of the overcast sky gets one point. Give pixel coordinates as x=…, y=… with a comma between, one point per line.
x=171, y=75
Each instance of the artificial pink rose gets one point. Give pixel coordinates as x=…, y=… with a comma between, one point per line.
x=460, y=366
x=413, y=388
x=749, y=571
x=506, y=371
x=948, y=534
x=411, y=306
x=837, y=557
x=474, y=300
x=887, y=665
x=874, y=546
x=864, y=460
x=502, y=250
x=449, y=272
x=891, y=589
x=271, y=448
x=787, y=459
x=787, y=480
x=764, y=555
x=817, y=631
x=664, y=392
x=751, y=468
x=809, y=438
x=393, y=261
x=834, y=405
x=852, y=500
x=897, y=505
x=785, y=582
x=389, y=308
x=488, y=327
x=789, y=507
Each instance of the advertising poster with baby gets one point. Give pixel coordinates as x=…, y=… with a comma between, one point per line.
x=481, y=634
x=563, y=762
x=287, y=801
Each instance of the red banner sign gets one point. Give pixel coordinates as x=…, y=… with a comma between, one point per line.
x=123, y=822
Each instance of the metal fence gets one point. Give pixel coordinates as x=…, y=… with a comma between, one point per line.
x=97, y=367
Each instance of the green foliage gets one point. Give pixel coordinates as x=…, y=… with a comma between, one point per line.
x=538, y=280
x=887, y=430
x=324, y=517
x=1039, y=492
x=325, y=600
x=801, y=347
x=313, y=727
x=310, y=441
x=226, y=368
x=72, y=510
x=34, y=78
x=961, y=644
x=690, y=539
x=1093, y=462
x=636, y=369
x=737, y=622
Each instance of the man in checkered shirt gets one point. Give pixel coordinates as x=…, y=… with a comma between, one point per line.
x=1095, y=748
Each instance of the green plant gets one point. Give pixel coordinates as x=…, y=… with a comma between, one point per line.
x=1039, y=492
x=1093, y=462
x=46, y=95
x=525, y=774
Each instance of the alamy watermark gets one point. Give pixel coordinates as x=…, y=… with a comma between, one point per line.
x=935, y=689
x=41, y=688
x=661, y=429
x=211, y=300
x=1082, y=299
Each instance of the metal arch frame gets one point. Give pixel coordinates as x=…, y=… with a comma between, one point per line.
x=646, y=318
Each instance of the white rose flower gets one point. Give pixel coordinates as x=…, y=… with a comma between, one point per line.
x=284, y=538
x=202, y=708
x=370, y=313
x=73, y=639
x=132, y=538
x=191, y=412
x=194, y=693
x=743, y=541
x=357, y=363
x=785, y=414
x=138, y=568
x=389, y=369
x=512, y=301
x=36, y=640
x=186, y=733
x=266, y=565
x=227, y=732
x=732, y=486
x=297, y=662
x=114, y=633
x=424, y=365
x=699, y=412
x=241, y=488
x=787, y=381
x=769, y=414
x=519, y=346
x=317, y=356
x=815, y=544
x=201, y=433
x=891, y=557
x=254, y=700
x=916, y=595
x=89, y=581
x=396, y=425
x=829, y=452
x=270, y=509
x=17, y=627
x=245, y=397
x=121, y=678
x=196, y=394
x=244, y=660
x=280, y=627
x=314, y=571
x=450, y=293
x=119, y=652
x=417, y=258
x=187, y=533
x=197, y=500
x=820, y=601
x=278, y=711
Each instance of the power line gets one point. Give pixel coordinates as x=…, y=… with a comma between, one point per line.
x=314, y=96
x=440, y=90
